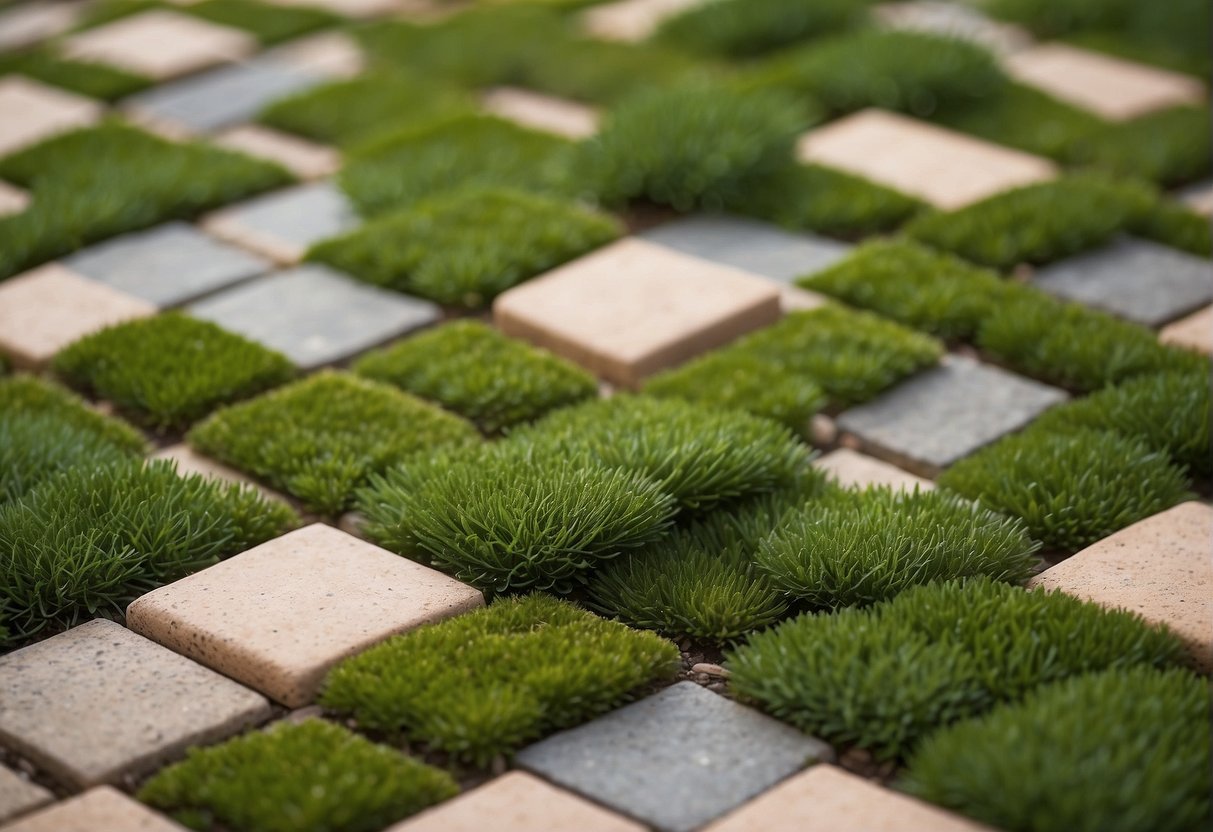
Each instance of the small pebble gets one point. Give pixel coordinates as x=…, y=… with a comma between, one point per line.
x=710, y=670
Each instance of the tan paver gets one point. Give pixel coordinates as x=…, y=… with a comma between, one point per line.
x=852, y=469
x=25, y=24
x=31, y=112
x=543, y=112
x=634, y=307
x=1159, y=567
x=951, y=19
x=517, y=802
x=190, y=461
x=305, y=159
x=1109, y=87
x=13, y=200
x=348, y=8
x=332, y=53
x=1194, y=332
x=631, y=20
x=795, y=299
x=161, y=44
x=942, y=167
x=278, y=616
x=826, y=798
x=44, y=310
x=97, y=703
x=19, y=796
x=103, y=809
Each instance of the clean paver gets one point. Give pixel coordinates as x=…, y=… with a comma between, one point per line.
x=634, y=307
x=31, y=112
x=314, y=315
x=1112, y=88
x=517, y=802
x=828, y=799
x=1158, y=567
x=852, y=469
x=278, y=616
x=98, y=702
x=13, y=200
x=44, y=310
x=642, y=760
x=942, y=167
x=305, y=159
x=103, y=808
x=282, y=225
x=951, y=19
x=167, y=265
x=1135, y=279
x=1194, y=332
x=542, y=112
x=946, y=413
x=632, y=20
x=19, y=796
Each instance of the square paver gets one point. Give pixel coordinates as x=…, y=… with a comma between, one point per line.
x=632, y=20
x=160, y=44
x=1158, y=567
x=335, y=54
x=31, y=112
x=44, y=310
x=851, y=469
x=542, y=112
x=19, y=796
x=13, y=200
x=517, y=802
x=26, y=24
x=280, y=615
x=307, y=160
x=940, y=416
x=942, y=167
x=828, y=799
x=1194, y=332
x=282, y=225
x=150, y=704
x=314, y=315
x=641, y=760
x=634, y=307
x=102, y=808
x=1109, y=87
x=189, y=461
x=955, y=20
x=348, y=8
x=1135, y=279
x=167, y=265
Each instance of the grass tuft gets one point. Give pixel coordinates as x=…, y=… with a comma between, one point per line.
x=27, y=394
x=749, y=28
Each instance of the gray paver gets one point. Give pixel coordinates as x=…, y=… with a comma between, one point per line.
x=98, y=702
x=314, y=315
x=1135, y=279
x=167, y=265
x=756, y=247
x=946, y=413
x=643, y=761
x=284, y=224
x=18, y=795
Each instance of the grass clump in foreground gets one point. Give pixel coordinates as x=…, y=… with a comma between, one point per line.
x=788, y=371
x=748, y=28
x=36, y=446
x=339, y=782
x=487, y=682
x=170, y=370
x=27, y=394
x=1073, y=487
x=89, y=79
x=883, y=677
x=472, y=369
x=87, y=542
x=465, y=248
x=1127, y=750
x=320, y=438
x=507, y=517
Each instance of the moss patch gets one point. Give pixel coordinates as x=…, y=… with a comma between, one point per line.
x=27, y=394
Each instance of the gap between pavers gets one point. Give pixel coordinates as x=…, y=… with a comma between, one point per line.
x=103, y=809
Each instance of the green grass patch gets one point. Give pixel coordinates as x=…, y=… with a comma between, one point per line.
x=102, y=181
x=788, y=371
x=86, y=78
x=269, y=23
x=107, y=11
x=465, y=248
x=1169, y=147
x=749, y=28
x=34, y=447
x=1023, y=117
x=883, y=677
x=1125, y=750
x=87, y=542
x=472, y=369
x=320, y=438
x=27, y=394
x=338, y=781
x=488, y=682
x=170, y=370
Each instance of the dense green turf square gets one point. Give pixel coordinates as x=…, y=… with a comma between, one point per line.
x=170, y=370
x=472, y=369
x=749, y=28
x=1169, y=147
x=35, y=446
x=320, y=438
x=89, y=79
x=310, y=776
x=465, y=248
x=269, y=23
x=487, y=682
x=27, y=394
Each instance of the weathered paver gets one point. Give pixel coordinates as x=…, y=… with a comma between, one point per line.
x=98, y=702
x=946, y=413
x=282, y=225
x=19, y=796
x=1135, y=279
x=45, y=309
x=102, y=808
x=314, y=315
x=952, y=19
x=28, y=23
x=305, y=159
x=1110, y=87
x=278, y=616
x=166, y=265
x=942, y=167
x=542, y=112
x=13, y=200
x=631, y=20
x=160, y=44
x=641, y=760
x=1194, y=332
x=31, y=111
x=190, y=461
x=828, y=799
x=334, y=54
x=517, y=802
x=635, y=307
x=1159, y=567
x=852, y=469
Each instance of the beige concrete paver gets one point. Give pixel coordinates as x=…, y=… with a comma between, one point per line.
x=1194, y=332
x=13, y=200
x=852, y=469
x=335, y=54
x=19, y=796
x=103, y=809
x=348, y=8
x=305, y=159
x=542, y=112
x=31, y=111
x=631, y=20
